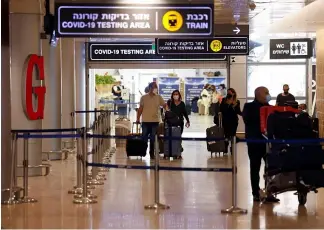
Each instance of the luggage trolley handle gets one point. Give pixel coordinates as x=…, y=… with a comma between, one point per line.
x=138, y=128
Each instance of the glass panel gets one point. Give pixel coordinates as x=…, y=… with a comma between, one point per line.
x=275, y=76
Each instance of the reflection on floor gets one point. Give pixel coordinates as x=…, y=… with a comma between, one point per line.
x=196, y=198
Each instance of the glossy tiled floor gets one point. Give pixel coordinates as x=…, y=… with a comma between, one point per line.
x=196, y=198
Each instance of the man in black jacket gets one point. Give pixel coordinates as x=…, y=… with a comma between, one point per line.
x=256, y=151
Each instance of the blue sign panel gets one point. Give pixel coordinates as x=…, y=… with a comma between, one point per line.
x=193, y=88
x=167, y=85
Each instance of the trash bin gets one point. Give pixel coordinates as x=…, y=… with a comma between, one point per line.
x=123, y=127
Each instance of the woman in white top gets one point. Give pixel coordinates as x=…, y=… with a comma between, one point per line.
x=206, y=98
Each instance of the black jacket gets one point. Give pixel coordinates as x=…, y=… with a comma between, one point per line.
x=251, y=117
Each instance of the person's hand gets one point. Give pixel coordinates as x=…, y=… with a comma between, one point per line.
x=188, y=124
x=138, y=121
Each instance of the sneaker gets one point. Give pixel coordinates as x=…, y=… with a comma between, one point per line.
x=272, y=199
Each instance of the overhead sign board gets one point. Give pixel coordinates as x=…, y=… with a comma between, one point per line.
x=91, y=20
x=99, y=52
x=212, y=46
x=291, y=48
x=231, y=30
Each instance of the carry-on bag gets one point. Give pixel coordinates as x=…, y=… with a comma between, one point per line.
x=136, y=147
x=172, y=148
x=217, y=132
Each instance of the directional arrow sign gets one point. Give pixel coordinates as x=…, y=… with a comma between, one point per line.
x=237, y=30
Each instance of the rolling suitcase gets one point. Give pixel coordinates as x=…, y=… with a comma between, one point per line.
x=216, y=132
x=172, y=148
x=136, y=147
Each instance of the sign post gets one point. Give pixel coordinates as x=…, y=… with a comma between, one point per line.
x=211, y=46
x=94, y=20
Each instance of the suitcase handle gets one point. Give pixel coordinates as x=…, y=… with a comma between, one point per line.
x=220, y=120
x=138, y=128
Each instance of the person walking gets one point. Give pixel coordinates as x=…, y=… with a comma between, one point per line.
x=230, y=109
x=178, y=107
x=149, y=110
x=285, y=97
x=256, y=151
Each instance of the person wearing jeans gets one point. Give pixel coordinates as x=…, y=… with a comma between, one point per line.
x=149, y=110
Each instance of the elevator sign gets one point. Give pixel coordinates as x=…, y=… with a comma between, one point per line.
x=290, y=48
x=92, y=20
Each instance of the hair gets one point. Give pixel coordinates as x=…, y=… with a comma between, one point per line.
x=151, y=85
x=176, y=91
x=285, y=85
x=222, y=85
x=234, y=96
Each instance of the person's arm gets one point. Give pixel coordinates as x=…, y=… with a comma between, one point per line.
x=162, y=103
x=278, y=99
x=247, y=114
x=184, y=112
x=140, y=110
x=238, y=108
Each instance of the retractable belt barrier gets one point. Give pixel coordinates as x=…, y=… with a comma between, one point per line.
x=101, y=152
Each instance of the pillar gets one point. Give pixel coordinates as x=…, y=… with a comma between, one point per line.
x=5, y=100
x=68, y=89
x=320, y=79
x=52, y=113
x=80, y=81
x=238, y=81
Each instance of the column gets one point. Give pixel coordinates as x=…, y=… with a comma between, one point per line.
x=320, y=79
x=25, y=40
x=5, y=100
x=68, y=89
x=80, y=82
x=238, y=81
x=52, y=113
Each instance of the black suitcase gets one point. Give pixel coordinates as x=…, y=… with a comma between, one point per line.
x=216, y=132
x=136, y=147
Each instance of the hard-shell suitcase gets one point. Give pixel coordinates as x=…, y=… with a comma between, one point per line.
x=216, y=132
x=136, y=147
x=172, y=148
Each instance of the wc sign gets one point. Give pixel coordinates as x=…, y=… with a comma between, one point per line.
x=291, y=48
x=34, y=95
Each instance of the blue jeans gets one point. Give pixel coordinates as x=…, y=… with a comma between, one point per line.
x=149, y=129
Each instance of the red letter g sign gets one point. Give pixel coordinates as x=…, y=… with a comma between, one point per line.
x=34, y=95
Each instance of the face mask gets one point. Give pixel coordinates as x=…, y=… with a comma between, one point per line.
x=176, y=97
x=155, y=91
x=268, y=98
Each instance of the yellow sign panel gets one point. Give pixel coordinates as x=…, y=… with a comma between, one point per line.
x=216, y=45
x=172, y=21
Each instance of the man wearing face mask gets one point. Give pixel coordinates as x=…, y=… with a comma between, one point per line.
x=256, y=151
x=149, y=110
x=285, y=97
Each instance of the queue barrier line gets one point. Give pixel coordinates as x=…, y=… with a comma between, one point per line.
x=96, y=111
x=282, y=141
x=164, y=168
x=42, y=130
x=47, y=136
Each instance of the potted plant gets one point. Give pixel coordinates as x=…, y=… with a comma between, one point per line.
x=104, y=83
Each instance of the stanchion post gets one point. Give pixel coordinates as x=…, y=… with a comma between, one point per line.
x=234, y=209
x=157, y=204
x=85, y=198
x=26, y=198
x=95, y=159
x=78, y=188
x=13, y=177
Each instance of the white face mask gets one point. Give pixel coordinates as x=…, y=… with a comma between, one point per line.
x=176, y=97
x=155, y=91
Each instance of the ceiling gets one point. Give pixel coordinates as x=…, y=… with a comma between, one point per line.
x=265, y=13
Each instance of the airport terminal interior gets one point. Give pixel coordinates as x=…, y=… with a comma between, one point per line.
x=158, y=114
